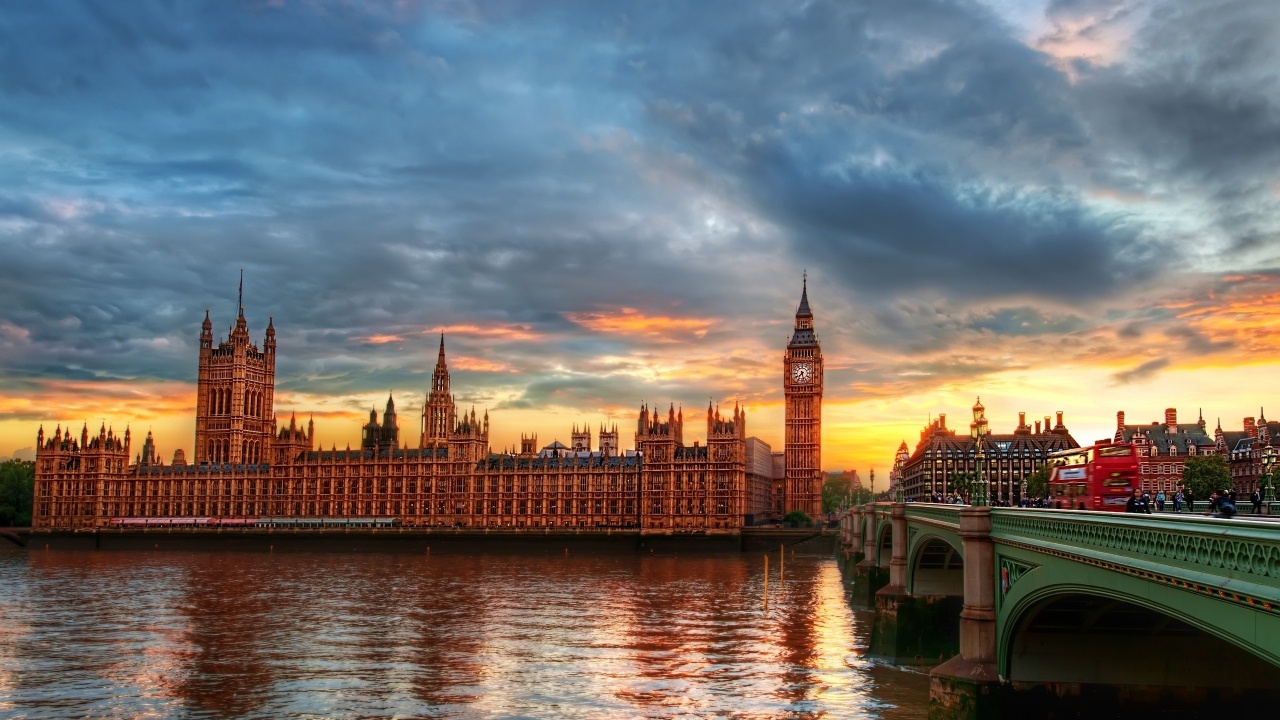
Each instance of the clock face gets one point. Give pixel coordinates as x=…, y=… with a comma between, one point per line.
x=802, y=372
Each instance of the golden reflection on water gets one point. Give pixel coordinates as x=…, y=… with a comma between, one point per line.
x=332, y=635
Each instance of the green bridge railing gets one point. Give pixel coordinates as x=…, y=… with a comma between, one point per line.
x=1233, y=560
x=947, y=516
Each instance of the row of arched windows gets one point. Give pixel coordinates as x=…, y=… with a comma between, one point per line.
x=220, y=402
x=220, y=451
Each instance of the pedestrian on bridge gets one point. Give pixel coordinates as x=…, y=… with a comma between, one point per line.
x=1160, y=501
x=1177, y=501
x=1223, y=505
x=1256, y=500
x=1137, y=503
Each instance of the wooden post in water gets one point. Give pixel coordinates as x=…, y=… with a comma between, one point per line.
x=766, y=581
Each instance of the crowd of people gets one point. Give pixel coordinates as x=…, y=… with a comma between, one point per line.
x=1222, y=503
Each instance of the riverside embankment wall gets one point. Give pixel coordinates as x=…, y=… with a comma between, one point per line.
x=431, y=540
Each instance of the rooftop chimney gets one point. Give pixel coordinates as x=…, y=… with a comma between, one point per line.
x=1250, y=428
x=1171, y=419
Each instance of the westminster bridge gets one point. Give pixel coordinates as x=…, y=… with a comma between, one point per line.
x=1081, y=610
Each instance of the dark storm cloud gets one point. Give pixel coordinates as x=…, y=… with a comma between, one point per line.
x=873, y=152
x=1195, y=114
x=389, y=168
x=914, y=328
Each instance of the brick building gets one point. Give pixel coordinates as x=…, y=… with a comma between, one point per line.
x=1163, y=448
x=1243, y=450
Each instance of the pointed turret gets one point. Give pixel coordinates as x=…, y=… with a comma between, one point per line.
x=804, y=297
x=269, y=343
x=803, y=336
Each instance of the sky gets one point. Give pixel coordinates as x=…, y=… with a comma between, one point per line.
x=1061, y=205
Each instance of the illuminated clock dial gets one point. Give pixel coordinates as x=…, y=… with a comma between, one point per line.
x=802, y=372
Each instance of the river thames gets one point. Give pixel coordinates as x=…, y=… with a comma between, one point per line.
x=329, y=635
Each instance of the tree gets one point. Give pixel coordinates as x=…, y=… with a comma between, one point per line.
x=796, y=518
x=861, y=496
x=17, y=491
x=962, y=483
x=1206, y=474
x=1038, y=482
x=835, y=493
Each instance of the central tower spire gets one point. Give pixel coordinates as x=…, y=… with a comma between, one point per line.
x=439, y=412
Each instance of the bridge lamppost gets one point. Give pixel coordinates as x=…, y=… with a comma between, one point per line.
x=1268, y=491
x=977, y=430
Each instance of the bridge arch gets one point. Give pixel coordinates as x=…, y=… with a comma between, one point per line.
x=1088, y=633
x=935, y=566
x=884, y=542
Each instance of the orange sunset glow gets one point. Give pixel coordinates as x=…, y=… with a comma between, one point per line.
x=873, y=400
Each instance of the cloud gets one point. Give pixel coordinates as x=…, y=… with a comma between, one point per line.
x=604, y=203
x=1141, y=372
x=654, y=328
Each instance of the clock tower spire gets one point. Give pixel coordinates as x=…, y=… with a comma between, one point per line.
x=802, y=390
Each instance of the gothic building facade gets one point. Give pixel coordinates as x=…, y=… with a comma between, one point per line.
x=247, y=464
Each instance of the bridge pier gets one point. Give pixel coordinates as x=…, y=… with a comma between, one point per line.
x=868, y=576
x=968, y=685
x=910, y=629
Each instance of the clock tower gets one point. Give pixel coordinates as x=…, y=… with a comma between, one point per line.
x=802, y=390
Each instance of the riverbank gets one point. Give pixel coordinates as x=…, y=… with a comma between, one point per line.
x=422, y=541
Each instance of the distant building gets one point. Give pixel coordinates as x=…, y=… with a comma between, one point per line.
x=1163, y=448
x=850, y=476
x=897, y=472
x=779, y=483
x=1243, y=450
x=1009, y=458
x=855, y=480
x=763, y=474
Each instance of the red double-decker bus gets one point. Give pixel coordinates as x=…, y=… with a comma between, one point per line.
x=1097, y=477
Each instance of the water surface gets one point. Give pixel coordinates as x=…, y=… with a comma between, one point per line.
x=211, y=635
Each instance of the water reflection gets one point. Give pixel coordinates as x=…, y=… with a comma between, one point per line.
x=332, y=635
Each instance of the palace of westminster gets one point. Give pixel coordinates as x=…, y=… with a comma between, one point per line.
x=246, y=465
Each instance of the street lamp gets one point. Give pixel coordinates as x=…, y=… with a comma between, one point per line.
x=977, y=430
x=1268, y=493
